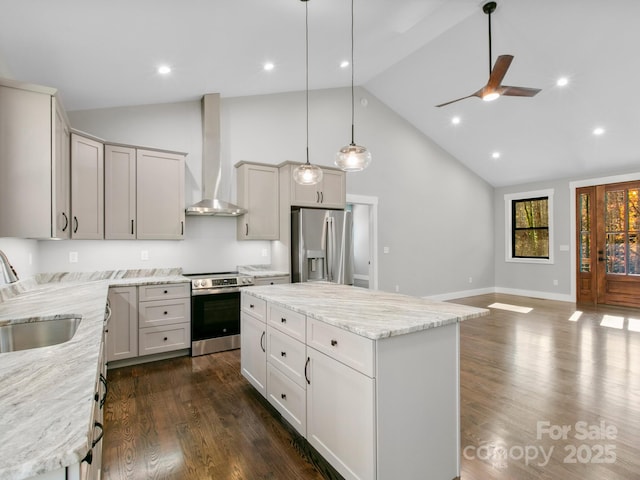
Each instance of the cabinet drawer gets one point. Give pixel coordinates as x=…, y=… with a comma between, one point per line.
x=254, y=306
x=169, y=290
x=346, y=347
x=287, y=354
x=288, y=398
x=165, y=338
x=164, y=312
x=287, y=321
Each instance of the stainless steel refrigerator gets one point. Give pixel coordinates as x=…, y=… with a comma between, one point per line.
x=322, y=245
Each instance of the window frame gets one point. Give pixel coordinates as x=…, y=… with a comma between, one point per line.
x=509, y=200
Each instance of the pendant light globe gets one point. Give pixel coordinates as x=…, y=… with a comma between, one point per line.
x=352, y=157
x=307, y=174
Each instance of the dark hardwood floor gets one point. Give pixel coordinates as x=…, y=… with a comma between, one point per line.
x=524, y=377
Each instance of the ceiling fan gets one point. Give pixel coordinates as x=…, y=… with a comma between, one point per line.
x=494, y=88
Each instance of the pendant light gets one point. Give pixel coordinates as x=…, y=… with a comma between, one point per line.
x=353, y=158
x=307, y=174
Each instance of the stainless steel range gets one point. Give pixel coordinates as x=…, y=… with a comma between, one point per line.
x=215, y=311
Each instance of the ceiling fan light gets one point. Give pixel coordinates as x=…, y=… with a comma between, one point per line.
x=353, y=158
x=490, y=97
x=307, y=174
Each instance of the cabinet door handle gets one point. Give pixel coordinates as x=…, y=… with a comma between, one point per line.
x=166, y=291
x=283, y=354
x=283, y=320
x=246, y=229
x=165, y=312
x=283, y=396
x=321, y=197
x=306, y=366
x=96, y=440
x=182, y=227
x=88, y=457
x=334, y=343
x=103, y=379
x=165, y=339
x=66, y=222
x=251, y=305
x=262, y=341
x=75, y=221
x=131, y=226
x=317, y=197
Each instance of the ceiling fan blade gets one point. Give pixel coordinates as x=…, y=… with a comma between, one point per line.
x=499, y=71
x=519, y=91
x=475, y=94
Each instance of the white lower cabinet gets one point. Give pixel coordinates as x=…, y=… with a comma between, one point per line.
x=253, y=350
x=288, y=398
x=341, y=416
x=122, y=332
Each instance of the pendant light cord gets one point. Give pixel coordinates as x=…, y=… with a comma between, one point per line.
x=489, y=43
x=306, y=44
x=353, y=142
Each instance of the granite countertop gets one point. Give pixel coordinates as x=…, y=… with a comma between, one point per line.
x=261, y=271
x=47, y=393
x=370, y=313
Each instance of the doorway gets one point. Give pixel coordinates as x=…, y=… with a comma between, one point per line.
x=365, y=232
x=608, y=244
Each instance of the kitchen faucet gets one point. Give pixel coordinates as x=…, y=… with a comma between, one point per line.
x=9, y=273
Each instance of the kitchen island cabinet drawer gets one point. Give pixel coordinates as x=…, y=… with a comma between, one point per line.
x=288, y=398
x=164, y=338
x=162, y=292
x=287, y=354
x=163, y=312
x=254, y=306
x=288, y=321
x=353, y=350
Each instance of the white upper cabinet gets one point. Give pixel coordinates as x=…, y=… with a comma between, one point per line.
x=34, y=163
x=87, y=188
x=258, y=194
x=119, y=193
x=331, y=192
x=160, y=195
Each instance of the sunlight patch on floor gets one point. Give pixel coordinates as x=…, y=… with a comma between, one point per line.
x=612, y=321
x=634, y=325
x=511, y=308
x=575, y=316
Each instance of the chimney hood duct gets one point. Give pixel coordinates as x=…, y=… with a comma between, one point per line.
x=211, y=164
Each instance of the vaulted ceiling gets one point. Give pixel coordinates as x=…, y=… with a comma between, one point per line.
x=411, y=54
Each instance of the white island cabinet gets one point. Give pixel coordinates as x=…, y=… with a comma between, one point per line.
x=380, y=376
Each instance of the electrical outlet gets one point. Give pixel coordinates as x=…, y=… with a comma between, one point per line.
x=265, y=253
x=385, y=249
x=73, y=257
x=144, y=254
x=397, y=288
x=555, y=282
x=470, y=279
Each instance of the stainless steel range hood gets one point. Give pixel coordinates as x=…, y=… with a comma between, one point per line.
x=211, y=164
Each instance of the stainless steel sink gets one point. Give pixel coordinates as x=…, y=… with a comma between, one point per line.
x=43, y=333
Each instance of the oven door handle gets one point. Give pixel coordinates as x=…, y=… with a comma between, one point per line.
x=214, y=291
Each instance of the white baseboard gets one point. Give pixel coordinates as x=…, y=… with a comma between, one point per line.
x=462, y=294
x=507, y=291
x=561, y=297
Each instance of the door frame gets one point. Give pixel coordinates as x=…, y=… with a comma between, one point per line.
x=629, y=177
x=372, y=203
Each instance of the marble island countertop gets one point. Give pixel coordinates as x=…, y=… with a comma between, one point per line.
x=370, y=313
x=47, y=393
x=261, y=271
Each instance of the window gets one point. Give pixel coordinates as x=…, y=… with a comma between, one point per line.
x=529, y=227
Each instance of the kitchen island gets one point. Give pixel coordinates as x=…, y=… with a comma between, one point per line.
x=369, y=378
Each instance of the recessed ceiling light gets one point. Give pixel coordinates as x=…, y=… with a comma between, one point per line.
x=562, y=81
x=598, y=131
x=455, y=120
x=344, y=64
x=164, y=69
x=269, y=66
x=495, y=155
